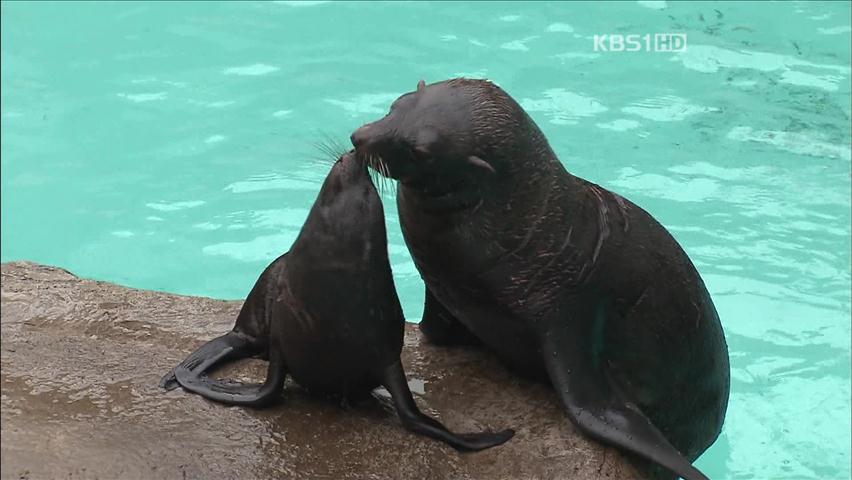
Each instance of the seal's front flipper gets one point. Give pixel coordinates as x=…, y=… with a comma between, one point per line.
x=413, y=419
x=232, y=344
x=234, y=393
x=570, y=347
x=440, y=327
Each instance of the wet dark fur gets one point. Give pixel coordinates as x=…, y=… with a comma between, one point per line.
x=557, y=275
x=326, y=313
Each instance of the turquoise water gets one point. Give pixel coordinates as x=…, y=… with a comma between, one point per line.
x=171, y=146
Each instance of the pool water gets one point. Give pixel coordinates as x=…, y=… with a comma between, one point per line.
x=173, y=146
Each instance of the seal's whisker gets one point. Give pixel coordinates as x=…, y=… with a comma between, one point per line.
x=375, y=176
x=383, y=166
x=333, y=145
x=381, y=184
x=378, y=162
x=329, y=151
x=391, y=189
x=380, y=174
x=388, y=183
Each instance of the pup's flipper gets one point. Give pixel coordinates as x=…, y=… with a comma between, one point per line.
x=192, y=377
x=234, y=344
x=413, y=419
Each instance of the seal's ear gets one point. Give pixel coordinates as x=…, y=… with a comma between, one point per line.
x=480, y=163
x=421, y=85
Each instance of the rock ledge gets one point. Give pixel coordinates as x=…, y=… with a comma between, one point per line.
x=81, y=361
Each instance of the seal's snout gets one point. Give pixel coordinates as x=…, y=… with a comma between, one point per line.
x=347, y=156
x=359, y=137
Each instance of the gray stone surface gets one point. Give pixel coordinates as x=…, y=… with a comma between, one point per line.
x=81, y=361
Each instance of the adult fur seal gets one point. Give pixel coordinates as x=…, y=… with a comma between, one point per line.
x=327, y=313
x=557, y=275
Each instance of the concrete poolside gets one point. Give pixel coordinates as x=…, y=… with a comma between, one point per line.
x=81, y=361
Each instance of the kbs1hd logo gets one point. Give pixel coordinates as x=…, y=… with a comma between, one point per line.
x=658, y=42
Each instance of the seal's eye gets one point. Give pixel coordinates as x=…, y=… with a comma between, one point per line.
x=426, y=141
x=419, y=152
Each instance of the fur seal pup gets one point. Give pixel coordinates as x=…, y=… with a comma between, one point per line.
x=558, y=276
x=326, y=313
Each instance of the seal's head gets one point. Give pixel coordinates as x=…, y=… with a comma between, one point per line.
x=455, y=128
x=348, y=176
x=347, y=203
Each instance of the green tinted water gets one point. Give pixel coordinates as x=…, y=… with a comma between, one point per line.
x=171, y=146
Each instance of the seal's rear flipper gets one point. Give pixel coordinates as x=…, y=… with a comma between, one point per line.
x=415, y=420
x=192, y=378
x=569, y=349
x=235, y=344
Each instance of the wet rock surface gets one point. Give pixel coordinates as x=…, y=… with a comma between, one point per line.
x=81, y=361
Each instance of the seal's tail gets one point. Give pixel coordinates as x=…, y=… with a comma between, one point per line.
x=190, y=374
